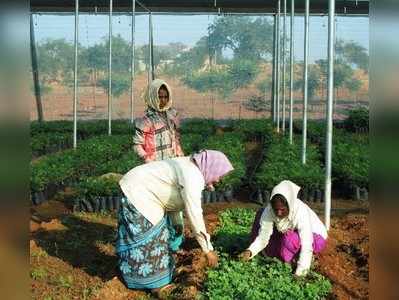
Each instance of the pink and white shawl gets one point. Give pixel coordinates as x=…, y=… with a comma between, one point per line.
x=212, y=164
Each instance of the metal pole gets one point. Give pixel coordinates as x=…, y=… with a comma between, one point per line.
x=331, y=34
x=132, y=62
x=278, y=64
x=151, y=49
x=305, y=83
x=35, y=71
x=292, y=68
x=75, y=76
x=110, y=69
x=284, y=60
x=274, y=85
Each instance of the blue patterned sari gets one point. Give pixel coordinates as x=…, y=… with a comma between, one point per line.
x=144, y=250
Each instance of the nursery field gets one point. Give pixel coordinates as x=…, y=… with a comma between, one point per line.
x=72, y=256
x=75, y=196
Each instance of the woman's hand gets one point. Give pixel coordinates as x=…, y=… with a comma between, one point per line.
x=212, y=259
x=245, y=255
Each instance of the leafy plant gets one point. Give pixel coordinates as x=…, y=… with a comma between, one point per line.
x=65, y=281
x=191, y=142
x=351, y=160
x=283, y=161
x=358, y=119
x=198, y=126
x=260, y=278
x=88, y=160
x=233, y=232
x=38, y=273
x=97, y=186
x=231, y=144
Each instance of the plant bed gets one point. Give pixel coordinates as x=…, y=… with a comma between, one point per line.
x=203, y=127
x=70, y=165
x=46, y=143
x=351, y=162
x=232, y=146
x=260, y=278
x=254, y=130
x=191, y=142
x=52, y=136
x=84, y=250
x=358, y=120
x=283, y=161
x=96, y=194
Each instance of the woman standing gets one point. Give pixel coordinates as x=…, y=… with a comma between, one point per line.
x=287, y=229
x=157, y=136
x=145, y=238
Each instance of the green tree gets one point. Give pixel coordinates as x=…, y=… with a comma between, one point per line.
x=192, y=60
x=120, y=84
x=248, y=37
x=55, y=59
x=344, y=75
x=314, y=80
x=224, y=79
x=353, y=54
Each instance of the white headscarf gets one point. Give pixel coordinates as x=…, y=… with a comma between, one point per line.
x=289, y=191
x=151, y=95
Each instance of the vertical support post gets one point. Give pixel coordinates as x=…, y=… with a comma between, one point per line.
x=110, y=68
x=331, y=35
x=284, y=60
x=132, y=69
x=75, y=76
x=278, y=65
x=274, y=85
x=292, y=69
x=35, y=71
x=151, y=49
x=305, y=83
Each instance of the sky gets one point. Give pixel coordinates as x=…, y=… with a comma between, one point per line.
x=188, y=29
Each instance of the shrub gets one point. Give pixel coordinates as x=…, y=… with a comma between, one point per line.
x=92, y=187
x=231, y=144
x=357, y=120
x=123, y=165
x=199, y=126
x=232, y=235
x=44, y=143
x=283, y=161
x=191, y=142
x=351, y=160
x=88, y=160
x=255, y=128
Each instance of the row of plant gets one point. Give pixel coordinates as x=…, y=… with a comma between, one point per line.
x=351, y=163
x=358, y=120
x=231, y=144
x=45, y=143
x=283, y=161
x=86, y=128
x=94, y=156
x=260, y=278
x=350, y=156
x=95, y=194
x=53, y=136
